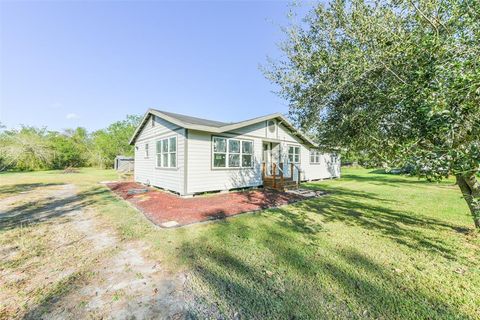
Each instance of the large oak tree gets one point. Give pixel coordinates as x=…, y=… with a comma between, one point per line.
x=398, y=80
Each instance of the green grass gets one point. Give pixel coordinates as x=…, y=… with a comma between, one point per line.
x=377, y=246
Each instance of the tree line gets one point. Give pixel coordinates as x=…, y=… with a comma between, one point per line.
x=32, y=148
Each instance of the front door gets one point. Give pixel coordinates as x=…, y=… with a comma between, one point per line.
x=270, y=155
x=267, y=152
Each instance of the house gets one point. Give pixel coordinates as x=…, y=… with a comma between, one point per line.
x=189, y=155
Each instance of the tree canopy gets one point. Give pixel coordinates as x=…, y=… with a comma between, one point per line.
x=397, y=80
x=113, y=141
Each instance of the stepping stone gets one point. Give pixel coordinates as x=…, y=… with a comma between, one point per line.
x=169, y=224
x=307, y=193
x=137, y=191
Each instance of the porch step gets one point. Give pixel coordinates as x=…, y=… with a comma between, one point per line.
x=278, y=184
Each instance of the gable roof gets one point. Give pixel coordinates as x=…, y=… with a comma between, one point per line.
x=200, y=124
x=192, y=120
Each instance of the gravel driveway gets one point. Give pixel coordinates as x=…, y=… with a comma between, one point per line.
x=59, y=262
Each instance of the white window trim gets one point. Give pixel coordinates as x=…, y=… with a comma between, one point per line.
x=299, y=153
x=316, y=155
x=227, y=153
x=275, y=128
x=168, y=152
x=146, y=150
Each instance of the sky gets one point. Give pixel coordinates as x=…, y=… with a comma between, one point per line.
x=69, y=64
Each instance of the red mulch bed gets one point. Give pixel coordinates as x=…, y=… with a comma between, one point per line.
x=161, y=207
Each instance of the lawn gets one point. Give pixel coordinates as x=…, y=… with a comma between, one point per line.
x=377, y=246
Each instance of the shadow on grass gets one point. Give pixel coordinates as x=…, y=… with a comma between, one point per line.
x=350, y=207
x=48, y=301
x=13, y=189
x=286, y=267
x=274, y=270
x=385, y=179
x=49, y=207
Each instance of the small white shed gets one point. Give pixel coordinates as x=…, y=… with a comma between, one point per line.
x=123, y=163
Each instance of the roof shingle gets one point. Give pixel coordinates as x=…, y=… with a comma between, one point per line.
x=194, y=120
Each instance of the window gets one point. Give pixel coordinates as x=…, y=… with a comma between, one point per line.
x=172, y=151
x=294, y=154
x=314, y=156
x=247, y=151
x=219, y=152
x=146, y=150
x=232, y=153
x=167, y=153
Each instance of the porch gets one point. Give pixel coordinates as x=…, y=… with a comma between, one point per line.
x=278, y=177
x=279, y=170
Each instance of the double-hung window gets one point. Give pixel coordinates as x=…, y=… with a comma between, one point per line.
x=232, y=153
x=167, y=153
x=146, y=150
x=247, y=154
x=314, y=156
x=294, y=154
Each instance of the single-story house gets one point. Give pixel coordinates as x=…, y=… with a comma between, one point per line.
x=189, y=155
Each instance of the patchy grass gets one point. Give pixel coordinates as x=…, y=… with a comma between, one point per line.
x=42, y=256
x=378, y=246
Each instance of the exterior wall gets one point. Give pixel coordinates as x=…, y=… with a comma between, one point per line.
x=146, y=170
x=202, y=177
x=329, y=166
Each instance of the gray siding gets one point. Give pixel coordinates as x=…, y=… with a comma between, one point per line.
x=145, y=168
x=329, y=166
x=202, y=177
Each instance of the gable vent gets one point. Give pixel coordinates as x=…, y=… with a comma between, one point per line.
x=271, y=126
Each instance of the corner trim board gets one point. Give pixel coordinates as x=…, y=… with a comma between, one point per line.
x=185, y=164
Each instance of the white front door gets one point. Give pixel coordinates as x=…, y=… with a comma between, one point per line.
x=267, y=152
x=275, y=152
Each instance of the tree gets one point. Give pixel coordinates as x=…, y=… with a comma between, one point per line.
x=25, y=149
x=70, y=148
x=112, y=141
x=398, y=80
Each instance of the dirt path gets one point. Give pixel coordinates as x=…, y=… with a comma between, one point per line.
x=59, y=262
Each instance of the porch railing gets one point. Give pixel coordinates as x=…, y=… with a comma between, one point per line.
x=277, y=171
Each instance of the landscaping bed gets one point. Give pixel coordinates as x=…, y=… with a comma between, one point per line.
x=169, y=210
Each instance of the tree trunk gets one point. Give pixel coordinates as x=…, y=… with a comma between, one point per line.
x=470, y=187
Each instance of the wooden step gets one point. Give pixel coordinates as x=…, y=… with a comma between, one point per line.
x=278, y=184
x=278, y=178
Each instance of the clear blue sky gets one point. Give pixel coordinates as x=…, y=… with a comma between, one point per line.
x=91, y=63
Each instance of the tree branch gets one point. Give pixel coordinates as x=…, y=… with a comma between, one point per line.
x=393, y=72
x=424, y=16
